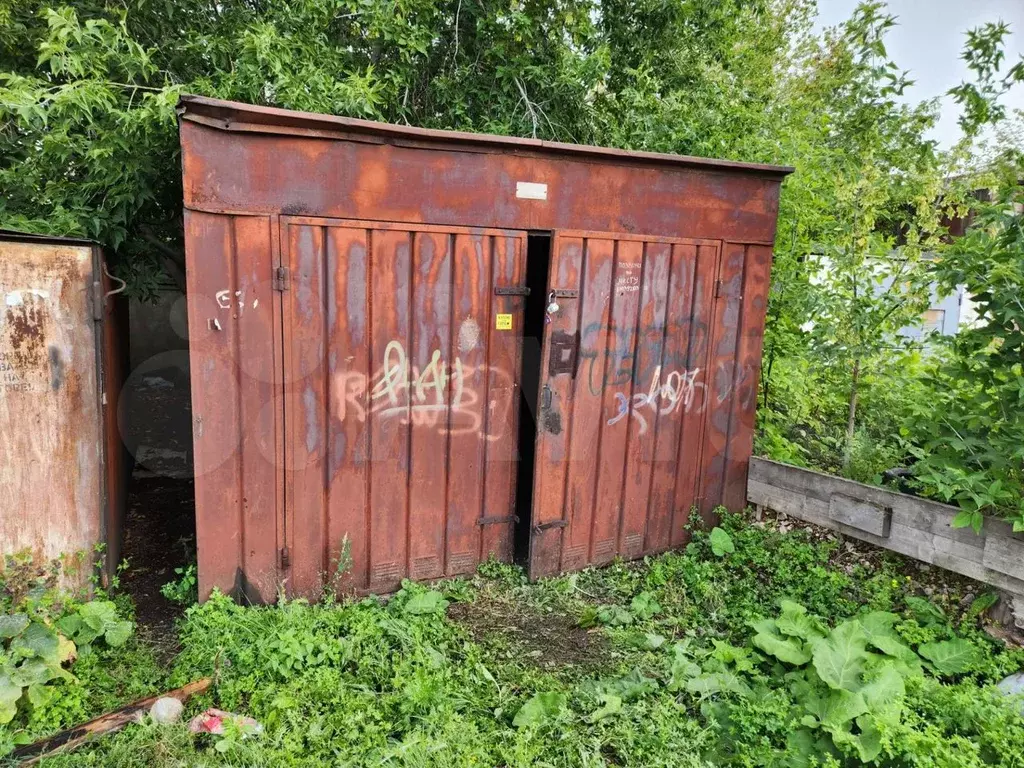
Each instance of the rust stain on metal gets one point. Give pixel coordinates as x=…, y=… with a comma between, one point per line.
x=370, y=402
x=25, y=333
x=56, y=471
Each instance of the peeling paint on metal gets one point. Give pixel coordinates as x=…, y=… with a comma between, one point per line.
x=309, y=401
x=469, y=335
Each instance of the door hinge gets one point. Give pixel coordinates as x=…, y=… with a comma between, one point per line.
x=496, y=519
x=98, y=300
x=284, y=557
x=282, y=279
x=548, y=526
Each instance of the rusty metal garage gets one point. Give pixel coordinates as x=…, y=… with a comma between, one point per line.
x=424, y=348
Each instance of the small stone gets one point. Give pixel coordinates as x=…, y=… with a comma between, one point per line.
x=929, y=591
x=166, y=710
x=1013, y=686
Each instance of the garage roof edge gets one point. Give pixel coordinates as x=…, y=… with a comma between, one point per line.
x=237, y=116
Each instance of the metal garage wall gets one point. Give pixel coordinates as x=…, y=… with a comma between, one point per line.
x=621, y=427
x=351, y=380
x=402, y=369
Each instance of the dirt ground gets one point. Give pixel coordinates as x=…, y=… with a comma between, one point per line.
x=159, y=536
x=546, y=640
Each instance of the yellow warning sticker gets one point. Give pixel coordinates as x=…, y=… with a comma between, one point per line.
x=503, y=322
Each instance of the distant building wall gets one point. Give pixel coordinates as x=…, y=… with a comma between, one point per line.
x=942, y=317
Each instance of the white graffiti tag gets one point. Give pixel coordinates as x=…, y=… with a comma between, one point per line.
x=435, y=396
x=664, y=397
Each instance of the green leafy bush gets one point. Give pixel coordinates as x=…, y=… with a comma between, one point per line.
x=44, y=631
x=968, y=437
x=185, y=589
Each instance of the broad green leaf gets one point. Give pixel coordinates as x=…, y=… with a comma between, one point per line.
x=869, y=741
x=835, y=709
x=839, y=658
x=631, y=686
x=98, y=614
x=730, y=654
x=644, y=606
x=724, y=681
x=69, y=625
x=653, y=641
x=926, y=612
x=721, y=542
x=66, y=650
x=39, y=694
x=611, y=705
x=796, y=622
x=682, y=669
x=31, y=672
x=10, y=692
x=867, y=744
x=951, y=657
x=614, y=616
x=420, y=604
x=788, y=649
x=38, y=640
x=884, y=694
x=982, y=603
x=118, y=632
x=588, y=617
x=807, y=747
x=12, y=624
x=539, y=709
x=878, y=626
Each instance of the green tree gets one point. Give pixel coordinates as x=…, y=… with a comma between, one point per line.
x=88, y=141
x=968, y=437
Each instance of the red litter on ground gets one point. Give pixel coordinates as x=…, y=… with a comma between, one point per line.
x=213, y=721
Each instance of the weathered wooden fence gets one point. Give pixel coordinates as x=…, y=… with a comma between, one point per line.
x=915, y=527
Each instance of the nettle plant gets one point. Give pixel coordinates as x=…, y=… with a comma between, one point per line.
x=847, y=684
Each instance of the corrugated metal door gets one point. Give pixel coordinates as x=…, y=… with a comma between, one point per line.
x=623, y=398
x=402, y=353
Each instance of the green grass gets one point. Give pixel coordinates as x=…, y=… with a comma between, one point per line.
x=572, y=671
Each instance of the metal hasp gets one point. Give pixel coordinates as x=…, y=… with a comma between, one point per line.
x=358, y=297
x=63, y=347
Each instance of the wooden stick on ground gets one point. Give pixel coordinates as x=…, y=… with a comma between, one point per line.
x=108, y=723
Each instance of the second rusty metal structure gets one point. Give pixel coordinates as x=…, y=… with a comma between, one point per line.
x=413, y=350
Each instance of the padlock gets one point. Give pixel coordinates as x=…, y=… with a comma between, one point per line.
x=553, y=307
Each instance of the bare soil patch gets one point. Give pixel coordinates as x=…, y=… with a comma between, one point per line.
x=159, y=534
x=546, y=640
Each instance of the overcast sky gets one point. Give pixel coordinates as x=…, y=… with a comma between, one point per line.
x=928, y=42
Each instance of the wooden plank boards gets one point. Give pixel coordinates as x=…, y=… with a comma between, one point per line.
x=868, y=517
x=918, y=528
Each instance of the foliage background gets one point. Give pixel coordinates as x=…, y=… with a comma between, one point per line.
x=88, y=146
